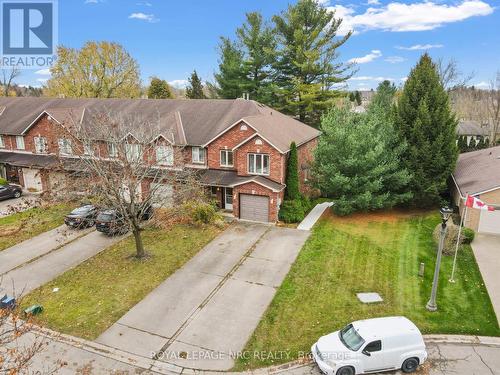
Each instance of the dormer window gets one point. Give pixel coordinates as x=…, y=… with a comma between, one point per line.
x=164, y=155
x=226, y=158
x=198, y=155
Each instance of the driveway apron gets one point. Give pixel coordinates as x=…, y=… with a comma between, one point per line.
x=209, y=308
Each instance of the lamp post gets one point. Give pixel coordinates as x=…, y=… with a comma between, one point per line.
x=445, y=215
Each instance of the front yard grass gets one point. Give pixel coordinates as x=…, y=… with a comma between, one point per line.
x=370, y=253
x=21, y=226
x=98, y=292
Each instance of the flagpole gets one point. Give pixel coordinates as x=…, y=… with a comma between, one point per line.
x=452, y=279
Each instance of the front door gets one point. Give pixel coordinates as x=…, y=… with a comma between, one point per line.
x=228, y=198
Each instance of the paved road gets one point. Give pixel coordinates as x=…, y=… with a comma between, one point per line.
x=37, y=246
x=444, y=359
x=486, y=249
x=30, y=276
x=20, y=204
x=213, y=304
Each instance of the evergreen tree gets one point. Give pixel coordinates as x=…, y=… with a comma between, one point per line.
x=472, y=145
x=231, y=72
x=352, y=97
x=384, y=97
x=194, y=89
x=259, y=44
x=425, y=122
x=159, y=89
x=292, y=178
x=306, y=67
x=357, y=97
x=358, y=161
x=462, y=144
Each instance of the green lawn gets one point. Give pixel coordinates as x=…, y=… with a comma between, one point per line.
x=370, y=253
x=98, y=292
x=24, y=225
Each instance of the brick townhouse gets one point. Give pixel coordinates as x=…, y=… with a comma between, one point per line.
x=240, y=147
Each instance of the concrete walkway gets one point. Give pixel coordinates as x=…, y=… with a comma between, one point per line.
x=38, y=246
x=30, y=276
x=314, y=216
x=486, y=249
x=212, y=305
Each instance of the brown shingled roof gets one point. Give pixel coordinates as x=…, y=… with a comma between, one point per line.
x=193, y=122
x=478, y=171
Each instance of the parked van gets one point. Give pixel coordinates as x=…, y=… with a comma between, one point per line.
x=372, y=345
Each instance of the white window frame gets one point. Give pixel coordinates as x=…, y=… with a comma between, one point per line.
x=88, y=148
x=136, y=150
x=256, y=156
x=198, y=155
x=2, y=144
x=40, y=145
x=164, y=155
x=65, y=147
x=20, y=142
x=112, y=150
x=227, y=153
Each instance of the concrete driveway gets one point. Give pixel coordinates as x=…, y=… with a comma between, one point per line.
x=486, y=249
x=209, y=308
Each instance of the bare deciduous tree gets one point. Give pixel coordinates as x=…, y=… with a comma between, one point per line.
x=8, y=76
x=494, y=108
x=450, y=74
x=127, y=163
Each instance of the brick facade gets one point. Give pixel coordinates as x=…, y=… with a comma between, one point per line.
x=255, y=189
x=305, y=156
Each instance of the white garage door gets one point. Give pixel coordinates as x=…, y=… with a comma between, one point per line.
x=489, y=222
x=32, y=179
x=163, y=195
x=254, y=207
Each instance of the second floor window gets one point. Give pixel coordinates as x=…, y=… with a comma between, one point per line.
x=20, y=142
x=112, y=150
x=2, y=145
x=198, y=155
x=133, y=152
x=65, y=146
x=226, y=158
x=88, y=148
x=164, y=155
x=258, y=164
x=41, y=145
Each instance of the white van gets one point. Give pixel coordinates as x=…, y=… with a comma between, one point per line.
x=372, y=345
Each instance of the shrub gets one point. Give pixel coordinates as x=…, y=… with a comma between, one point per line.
x=202, y=212
x=3, y=181
x=294, y=211
x=467, y=235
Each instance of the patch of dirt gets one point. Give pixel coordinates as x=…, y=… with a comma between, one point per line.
x=388, y=216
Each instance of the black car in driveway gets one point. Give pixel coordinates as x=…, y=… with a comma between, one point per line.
x=10, y=191
x=112, y=222
x=82, y=217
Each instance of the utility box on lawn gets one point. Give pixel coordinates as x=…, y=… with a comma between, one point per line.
x=34, y=310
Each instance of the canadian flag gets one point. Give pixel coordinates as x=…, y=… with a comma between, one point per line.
x=474, y=202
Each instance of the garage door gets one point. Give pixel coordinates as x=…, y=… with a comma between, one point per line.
x=32, y=179
x=254, y=207
x=163, y=195
x=489, y=222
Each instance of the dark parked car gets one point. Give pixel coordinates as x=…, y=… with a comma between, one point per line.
x=10, y=191
x=112, y=222
x=82, y=217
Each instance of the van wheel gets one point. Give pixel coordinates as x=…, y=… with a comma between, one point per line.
x=345, y=371
x=17, y=194
x=410, y=365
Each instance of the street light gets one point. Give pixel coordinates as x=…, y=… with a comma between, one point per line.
x=446, y=213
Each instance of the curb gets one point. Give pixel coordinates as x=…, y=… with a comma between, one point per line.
x=167, y=368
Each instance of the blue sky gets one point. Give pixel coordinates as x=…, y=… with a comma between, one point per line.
x=171, y=38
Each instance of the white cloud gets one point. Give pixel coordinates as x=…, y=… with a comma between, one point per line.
x=482, y=85
x=394, y=59
x=418, y=47
x=371, y=78
x=374, y=54
x=403, y=79
x=144, y=3
x=144, y=17
x=373, y=2
x=43, y=72
x=42, y=80
x=417, y=16
x=178, y=83
x=93, y=1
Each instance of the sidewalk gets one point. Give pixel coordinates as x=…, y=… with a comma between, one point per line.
x=314, y=216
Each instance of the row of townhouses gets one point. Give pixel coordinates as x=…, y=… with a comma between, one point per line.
x=239, y=147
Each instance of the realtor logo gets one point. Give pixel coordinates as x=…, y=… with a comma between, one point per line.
x=29, y=32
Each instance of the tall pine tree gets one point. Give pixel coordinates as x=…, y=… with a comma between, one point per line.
x=194, y=89
x=307, y=67
x=231, y=73
x=425, y=122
